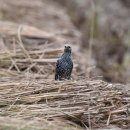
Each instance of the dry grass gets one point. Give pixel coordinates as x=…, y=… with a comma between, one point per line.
x=29, y=95
x=35, y=124
x=79, y=101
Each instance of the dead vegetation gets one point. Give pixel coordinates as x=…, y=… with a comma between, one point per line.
x=28, y=91
x=86, y=102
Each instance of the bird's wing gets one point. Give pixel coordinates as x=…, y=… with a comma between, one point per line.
x=56, y=70
x=57, y=65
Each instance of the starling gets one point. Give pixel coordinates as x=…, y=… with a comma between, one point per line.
x=64, y=65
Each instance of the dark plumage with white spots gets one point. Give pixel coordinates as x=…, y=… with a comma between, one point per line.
x=64, y=65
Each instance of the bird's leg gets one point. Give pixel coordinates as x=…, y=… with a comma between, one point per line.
x=60, y=78
x=68, y=77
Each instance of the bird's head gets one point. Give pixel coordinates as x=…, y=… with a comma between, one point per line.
x=67, y=49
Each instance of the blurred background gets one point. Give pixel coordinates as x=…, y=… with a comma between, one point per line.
x=98, y=31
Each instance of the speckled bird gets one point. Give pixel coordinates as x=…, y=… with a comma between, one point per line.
x=64, y=65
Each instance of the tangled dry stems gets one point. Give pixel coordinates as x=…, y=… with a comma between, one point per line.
x=72, y=100
x=28, y=91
